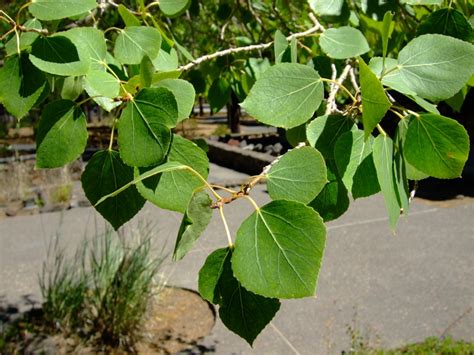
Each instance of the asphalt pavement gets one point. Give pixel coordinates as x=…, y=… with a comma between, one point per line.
x=391, y=288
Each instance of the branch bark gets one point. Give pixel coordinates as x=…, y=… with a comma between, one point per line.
x=254, y=47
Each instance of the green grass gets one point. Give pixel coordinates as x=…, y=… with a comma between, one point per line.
x=430, y=346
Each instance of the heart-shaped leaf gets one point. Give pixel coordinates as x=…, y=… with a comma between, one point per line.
x=299, y=175
x=278, y=250
x=62, y=134
x=286, y=95
x=105, y=173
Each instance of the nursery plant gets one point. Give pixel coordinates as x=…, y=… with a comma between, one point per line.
x=357, y=85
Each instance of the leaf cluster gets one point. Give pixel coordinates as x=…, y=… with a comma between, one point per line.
x=355, y=85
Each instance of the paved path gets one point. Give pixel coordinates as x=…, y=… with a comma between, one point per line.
x=395, y=288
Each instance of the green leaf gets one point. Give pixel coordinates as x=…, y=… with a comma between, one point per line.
x=425, y=105
x=26, y=38
x=402, y=129
x=173, y=190
x=299, y=175
x=387, y=29
x=72, y=87
x=146, y=72
x=149, y=174
x=280, y=46
x=437, y=146
x=48, y=10
x=323, y=132
x=333, y=201
x=278, y=250
x=172, y=8
x=432, y=66
x=384, y=165
x=375, y=103
x=286, y=95
x=128, y=18
x=195, y=221
x=294, y=50
x=62, y=134
x=210, y=273
x=105, y=173
x=58, y=55
x=354, y=162
x=218, y=94
x=395, y=82
x=343, y=42
x=449, y=22
x=296, y=135
x=184, y=94
x=243, y=312
x=133, y=43
x=327, y=7
x=21, y=85
x=144, y=127
x=102, y=87
x=90, y=44
x=166, y=61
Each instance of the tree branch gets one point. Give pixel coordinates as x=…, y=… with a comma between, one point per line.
x=254, y=47
x=331, y=101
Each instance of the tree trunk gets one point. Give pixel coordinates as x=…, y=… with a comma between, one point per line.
x=233, y=113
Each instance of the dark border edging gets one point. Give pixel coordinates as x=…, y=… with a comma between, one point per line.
x=236, y=158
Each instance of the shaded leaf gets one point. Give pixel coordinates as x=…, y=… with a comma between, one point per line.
x=375, y=103
x=144, y=127
x=218, y=94
x=184, y=94
x=210, y=273
x=384, y=165
x=62, y=134
x=241, y=311
x=278, y=250
x=173, y=190
x=21, y=85
x=90, y=44
x=354, y=162
x=195, y=220
x=58, y=55
x=449, y=22
x=333, y=201
x=323, y=132
x=105, y=173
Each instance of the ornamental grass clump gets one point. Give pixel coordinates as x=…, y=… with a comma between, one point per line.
x=101, y=293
